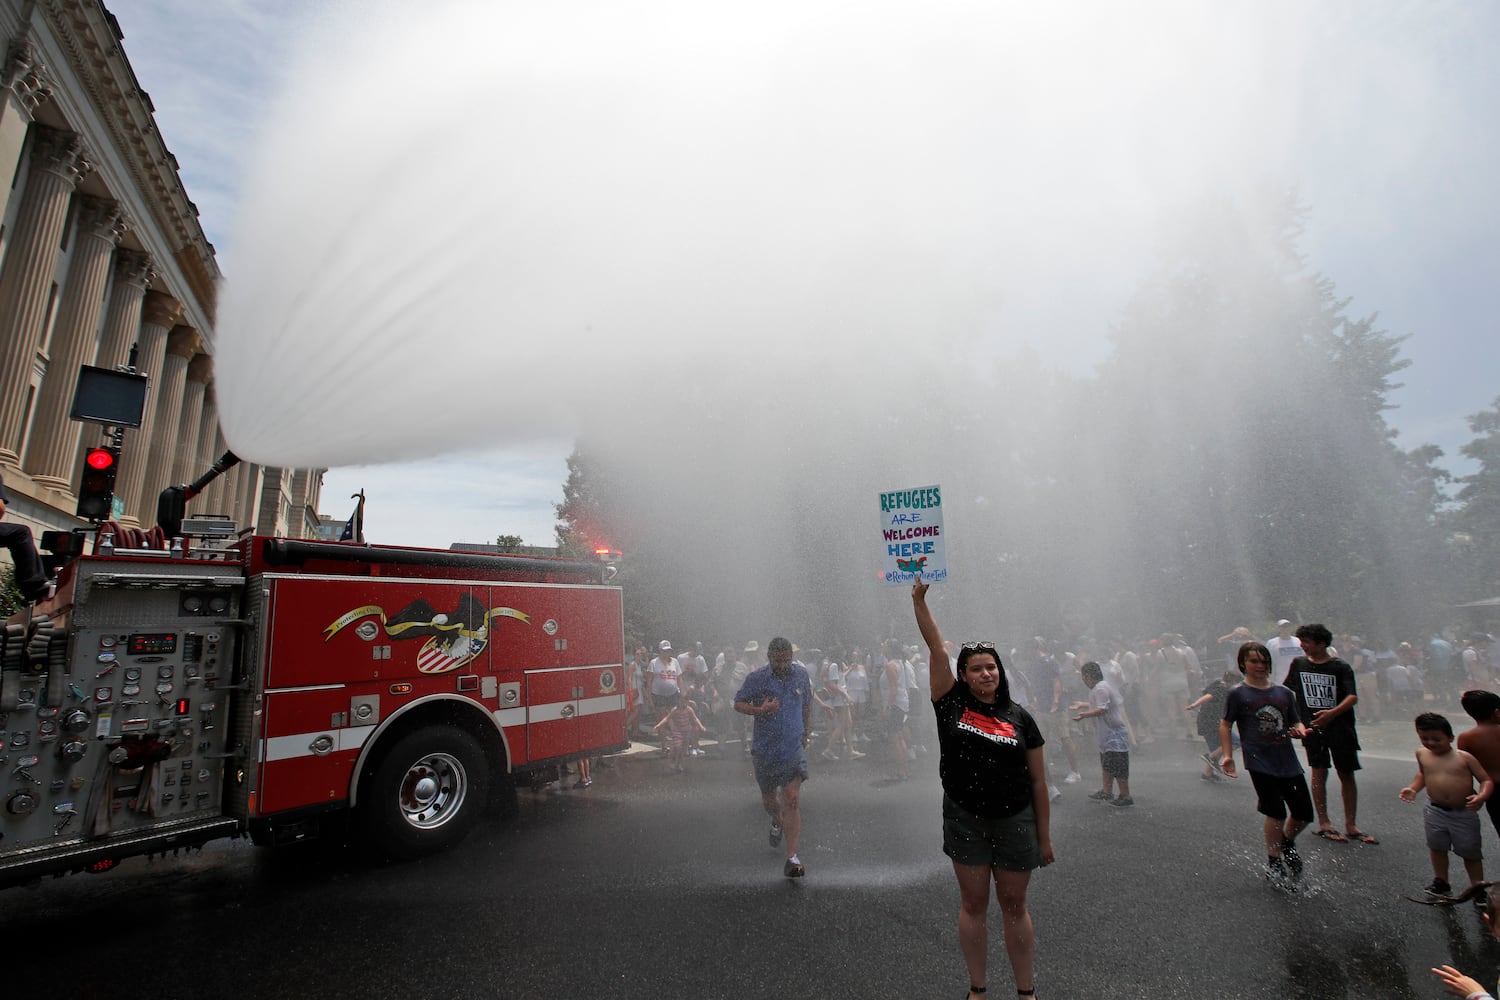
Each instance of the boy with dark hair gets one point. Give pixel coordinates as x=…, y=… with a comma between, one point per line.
x=1449, y=819
x=1266, y=715
x=1483, y=741
x=1325, y=691
x=1106, y=706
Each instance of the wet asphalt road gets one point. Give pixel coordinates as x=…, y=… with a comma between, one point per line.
x=655, y=885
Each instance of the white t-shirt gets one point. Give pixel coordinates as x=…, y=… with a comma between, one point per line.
x=1283, y=652
x=857, y=684
x=664, y=674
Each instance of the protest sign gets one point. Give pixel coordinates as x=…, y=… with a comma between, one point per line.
x=911, y=535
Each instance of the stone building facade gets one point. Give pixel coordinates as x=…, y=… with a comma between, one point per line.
x=101, y=251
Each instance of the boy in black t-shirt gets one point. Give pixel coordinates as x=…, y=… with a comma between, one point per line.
x=1325, y=690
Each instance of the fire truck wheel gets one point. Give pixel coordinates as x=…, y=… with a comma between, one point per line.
x=426, y=793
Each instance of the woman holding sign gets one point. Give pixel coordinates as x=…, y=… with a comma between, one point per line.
x=996, y=820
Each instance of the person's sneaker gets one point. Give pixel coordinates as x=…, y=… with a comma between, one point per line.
x=1073, y=778
x=1054, y=793
x=1275, y=870
x=1102, y=796
x=830, y=755
x=1122, y=801
x=583, y=782
x=856, y=754
x=1292, y=858
x=775, y=836
x=793, y=869
x=696, y=752
x=1439, y=888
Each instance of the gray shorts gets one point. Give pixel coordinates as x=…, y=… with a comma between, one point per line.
x=773, y=774
x=1008, y=843
x=1455, y=830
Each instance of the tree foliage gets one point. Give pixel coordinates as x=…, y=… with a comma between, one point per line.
x=1229, y=462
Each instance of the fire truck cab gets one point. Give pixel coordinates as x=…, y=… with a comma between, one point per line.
x=165, y=697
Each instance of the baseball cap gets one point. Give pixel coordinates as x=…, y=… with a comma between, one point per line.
x=665, y=646
x=1282, y=621
x=752, y=646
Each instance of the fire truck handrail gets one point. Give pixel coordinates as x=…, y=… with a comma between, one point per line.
x=289, y=551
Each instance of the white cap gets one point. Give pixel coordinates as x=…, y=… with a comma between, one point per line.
x=1282, y=621
x=665, y=646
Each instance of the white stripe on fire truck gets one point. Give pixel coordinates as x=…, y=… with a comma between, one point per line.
x=310, y=687
x=508, y=717
x=289, y=747
x=299, y=745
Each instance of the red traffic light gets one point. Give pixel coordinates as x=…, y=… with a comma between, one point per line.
x=100, y=458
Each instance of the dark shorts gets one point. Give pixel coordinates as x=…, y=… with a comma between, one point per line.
x=1275, y=796
x=771, y=774
x=1341, y=747
x=664, y=702
x=1115, y=763
x=1492, y=806
x=893, y=723
x=1455, y=830
x=1008, y=843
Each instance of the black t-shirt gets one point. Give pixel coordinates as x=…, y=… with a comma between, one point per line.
x=1211, y=712
x=1320, y=686
x=983, y=752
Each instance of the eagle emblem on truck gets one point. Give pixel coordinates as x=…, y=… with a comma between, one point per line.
x=450, y=639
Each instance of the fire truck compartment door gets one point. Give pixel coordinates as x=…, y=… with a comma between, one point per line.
x=306, y=761
x=570, y=708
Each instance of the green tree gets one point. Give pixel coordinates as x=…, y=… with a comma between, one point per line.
x=1478, y=516
x=509, y=543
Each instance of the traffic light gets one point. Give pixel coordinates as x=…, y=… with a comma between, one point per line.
x=96, y=494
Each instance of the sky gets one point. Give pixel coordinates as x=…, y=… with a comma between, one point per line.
x=1379, y=113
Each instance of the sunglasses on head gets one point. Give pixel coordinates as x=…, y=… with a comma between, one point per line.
x=984, y=647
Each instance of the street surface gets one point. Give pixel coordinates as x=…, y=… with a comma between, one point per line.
x=653, y=886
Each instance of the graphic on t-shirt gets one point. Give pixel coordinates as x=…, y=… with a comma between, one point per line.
x=991, y=728
x=1270, y=723
x=1320, y=691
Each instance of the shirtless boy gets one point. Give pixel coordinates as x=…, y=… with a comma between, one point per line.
x=1450, y=819
x=1483, y=741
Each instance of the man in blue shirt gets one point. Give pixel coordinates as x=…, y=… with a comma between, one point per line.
x=779, y=697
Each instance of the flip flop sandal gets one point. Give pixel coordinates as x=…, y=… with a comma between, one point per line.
x=1363, y=838
x=1332, y=836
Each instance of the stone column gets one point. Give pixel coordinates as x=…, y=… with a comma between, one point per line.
x=166, y=429
x=25, y=86
x=185, y=466
x=208, y=436
x=216, y=499
x=247, y=497
x=159, y=313
x=52, y=453
x=57, y=162
x=230, y=501
x=122, y=322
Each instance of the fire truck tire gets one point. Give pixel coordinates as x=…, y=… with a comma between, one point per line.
x=426, y=792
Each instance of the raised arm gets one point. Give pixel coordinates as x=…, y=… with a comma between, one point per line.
x=939, y=672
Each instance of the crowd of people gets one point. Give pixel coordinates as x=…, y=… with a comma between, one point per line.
x=997, y=720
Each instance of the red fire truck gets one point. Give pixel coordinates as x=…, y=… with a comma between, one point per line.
x=218, y=686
